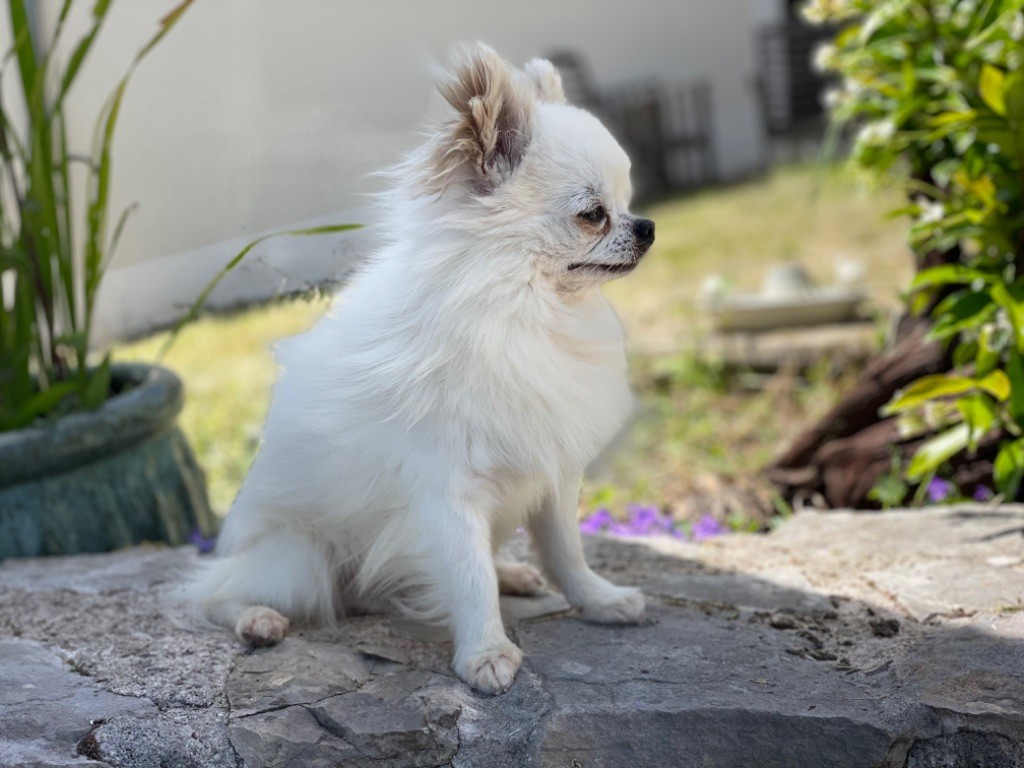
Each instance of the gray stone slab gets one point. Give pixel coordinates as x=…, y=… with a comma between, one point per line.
x=949, y=588
x=46, y=709
x=95, y=574
x=849, y=640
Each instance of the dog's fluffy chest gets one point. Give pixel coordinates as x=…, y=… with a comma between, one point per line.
x=554, y=396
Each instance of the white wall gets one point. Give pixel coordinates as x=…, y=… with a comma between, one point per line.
x=255, y=115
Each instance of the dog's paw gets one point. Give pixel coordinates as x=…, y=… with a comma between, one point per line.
x=520, y=579
x=492, y=671
x=259, y=625
x=615, y=605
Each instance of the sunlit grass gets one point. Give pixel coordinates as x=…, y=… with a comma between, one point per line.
x=699, y=437
x=794, y=214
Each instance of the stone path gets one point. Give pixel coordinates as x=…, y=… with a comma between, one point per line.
x=841, y=639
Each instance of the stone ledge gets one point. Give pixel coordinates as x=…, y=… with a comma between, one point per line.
x=842, y=639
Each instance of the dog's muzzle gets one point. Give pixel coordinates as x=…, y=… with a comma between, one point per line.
x=643, y=234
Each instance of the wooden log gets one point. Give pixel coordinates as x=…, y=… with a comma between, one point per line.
x=859, y=408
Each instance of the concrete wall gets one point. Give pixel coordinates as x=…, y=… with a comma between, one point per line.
x=255, y=115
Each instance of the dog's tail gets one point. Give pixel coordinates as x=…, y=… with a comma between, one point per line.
x=288, y=571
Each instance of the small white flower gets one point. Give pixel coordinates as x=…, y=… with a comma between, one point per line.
x=826, y=58
x=822, y=11
x=833, y=98
x=932, y=211
x=1017, y=26
x=876, y=133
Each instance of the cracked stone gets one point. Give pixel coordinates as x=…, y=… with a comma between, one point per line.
x=910, y=655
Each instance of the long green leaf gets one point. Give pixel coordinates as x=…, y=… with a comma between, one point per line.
x=1008, y=468
x=1015, y=372
x=66, y=258
x=939, y=385
x=934, y=452
x=950, y=274
x=40, y=404
x=99, y=15
x=204, y=295
x=979, y=414
x=991, y=86
x=115, y=239
x=99, y=185
x=98, y=386
x=24, y=45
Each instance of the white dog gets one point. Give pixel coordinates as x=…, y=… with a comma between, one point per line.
x=470, y=373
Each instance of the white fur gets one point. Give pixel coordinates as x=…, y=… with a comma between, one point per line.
x=457, y=391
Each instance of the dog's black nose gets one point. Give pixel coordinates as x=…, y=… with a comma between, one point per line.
x=643, y=230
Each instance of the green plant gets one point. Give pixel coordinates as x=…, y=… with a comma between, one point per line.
x=937, y=89
x=52, y=265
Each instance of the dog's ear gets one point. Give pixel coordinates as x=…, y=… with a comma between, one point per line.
x=546, y=81
x=490, y=134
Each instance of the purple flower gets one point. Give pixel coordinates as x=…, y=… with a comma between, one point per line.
x=598, y=521
x=646, y=521
x=982, y=493
x=642, y=520
x=939, y=490
x=706, y=528
x=203, y=544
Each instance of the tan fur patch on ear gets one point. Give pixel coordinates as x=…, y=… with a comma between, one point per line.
x=546, y=80
x=490, y=132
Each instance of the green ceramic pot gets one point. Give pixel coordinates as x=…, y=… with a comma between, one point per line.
x=110, y=478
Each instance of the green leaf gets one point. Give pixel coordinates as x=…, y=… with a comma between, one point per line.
x=24, y=46
x=934, y=452
x=99, y=15
x=992, y=85
x=1015, y=373
x=889, y=491
x=98, y=385
x=950, y=274
x=1008, y=468
x=40, y=404
x=947, y=118
x=988, y=355
x=979, y=414
x=959, y=311
x=1011, y=299
x=1013, y=96
x=99, y=181
x=204, y=295
x=938, y=385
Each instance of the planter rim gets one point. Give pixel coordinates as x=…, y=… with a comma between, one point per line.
x=150, y=406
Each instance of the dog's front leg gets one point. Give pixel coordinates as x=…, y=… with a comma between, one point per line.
x=556, y=534
x=467, y=585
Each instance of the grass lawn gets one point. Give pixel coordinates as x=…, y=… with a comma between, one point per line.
x=698, y=442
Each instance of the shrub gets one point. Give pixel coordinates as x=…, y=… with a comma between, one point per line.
x=936, y=89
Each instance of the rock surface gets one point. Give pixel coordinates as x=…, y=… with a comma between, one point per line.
x=841, y=639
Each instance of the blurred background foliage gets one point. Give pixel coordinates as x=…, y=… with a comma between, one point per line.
x=936, y=89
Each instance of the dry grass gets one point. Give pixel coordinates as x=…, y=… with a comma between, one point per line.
x=700, y=440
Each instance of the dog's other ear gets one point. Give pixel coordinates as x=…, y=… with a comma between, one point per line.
x=491, y=131
x=546, y=81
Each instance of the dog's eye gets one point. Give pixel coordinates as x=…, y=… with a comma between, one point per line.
x=594, y=215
